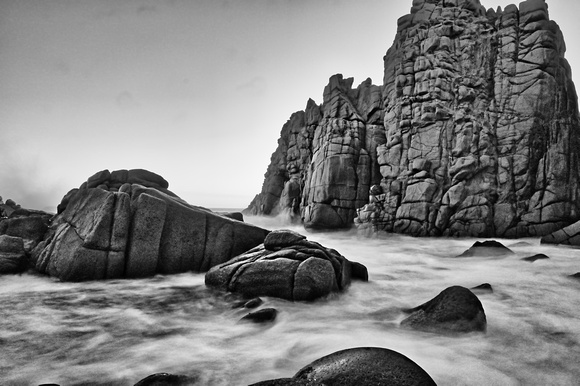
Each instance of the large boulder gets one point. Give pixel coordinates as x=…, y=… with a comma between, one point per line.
x=128, y=224
x=455, y=309
x=369, y=366
x=286, y=266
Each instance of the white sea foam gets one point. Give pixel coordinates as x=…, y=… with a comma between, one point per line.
x=118, y=332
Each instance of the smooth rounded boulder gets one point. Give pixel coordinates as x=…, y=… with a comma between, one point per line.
x=455, y=310
x=286, y=266
x=370, y=366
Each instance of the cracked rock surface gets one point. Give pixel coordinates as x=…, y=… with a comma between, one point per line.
x=474, y=132
x=127, y=224
x=286, y=266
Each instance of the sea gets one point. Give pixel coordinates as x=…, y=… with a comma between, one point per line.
x=120, y=331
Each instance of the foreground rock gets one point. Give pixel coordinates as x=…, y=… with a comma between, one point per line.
x=165, y=379
x=128, y=224
x=286, y=266
x=474, y=132
x=456, y=309
x=370, y=366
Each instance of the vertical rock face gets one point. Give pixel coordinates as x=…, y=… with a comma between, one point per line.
x=475, y=131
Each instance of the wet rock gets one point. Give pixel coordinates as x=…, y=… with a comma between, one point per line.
x=165, y=379
x=13, y=257
x=455, y=309
x=128, y=224
x=474, y=132
x=265, y=315
x=286, y=266
x=531, y=259
x=252, y=303
x=483, y=288
x=285, y=382
x=576, y=275
x=371, y=366
x=487, y=248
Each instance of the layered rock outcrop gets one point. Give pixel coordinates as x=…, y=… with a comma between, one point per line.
x=474, y=132
x=128, y=224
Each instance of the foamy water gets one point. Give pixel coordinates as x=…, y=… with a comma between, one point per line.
x=118, y=332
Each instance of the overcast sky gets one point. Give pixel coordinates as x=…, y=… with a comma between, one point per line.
x=194, y=90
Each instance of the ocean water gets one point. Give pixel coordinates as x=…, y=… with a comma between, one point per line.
x=118, y=332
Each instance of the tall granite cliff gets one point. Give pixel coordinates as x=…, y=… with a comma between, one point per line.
x=474, y=132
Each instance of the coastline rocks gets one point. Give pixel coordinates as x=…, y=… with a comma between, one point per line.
x=488, y=248
x=30, y=225
x=128, y=224
x=371, y=366
x=286, y=266
x=474, y=132
x=12, y=255
x=455, y=309
x=265, y=315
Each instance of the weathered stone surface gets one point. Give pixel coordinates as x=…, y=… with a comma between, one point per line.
x=116, y=226
x=286, y=266
x=29, y=225
x=569, y=235
x=455, y=309
x=12, y=255
x=474, y=132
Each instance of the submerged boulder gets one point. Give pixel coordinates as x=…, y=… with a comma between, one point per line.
x=128, y=224
x=455, y=309
x=287, y=266
x=488, y=248
x=569, y=235
x=370, y=366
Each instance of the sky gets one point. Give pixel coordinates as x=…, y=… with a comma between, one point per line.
x=194, y=90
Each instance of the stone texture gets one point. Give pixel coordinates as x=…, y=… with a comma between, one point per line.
x=286, y=266
x=13, y=257
x=455, y=309
x=371, y=366
x=569, y=235
x=128, y=224
x=474, y=132
x=488, y=248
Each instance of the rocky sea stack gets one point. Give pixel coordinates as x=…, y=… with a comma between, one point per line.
x=474, y=132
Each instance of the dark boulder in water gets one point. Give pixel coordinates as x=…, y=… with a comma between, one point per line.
x=286, y=266
x=488, y=248
x=455, y=309
x=165, y=379
x=370, y=366
x=539, y=256
x=127, y=224
x=265, y=315
x=483, y=288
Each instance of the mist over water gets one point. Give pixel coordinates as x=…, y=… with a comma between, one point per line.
x=118, y=332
